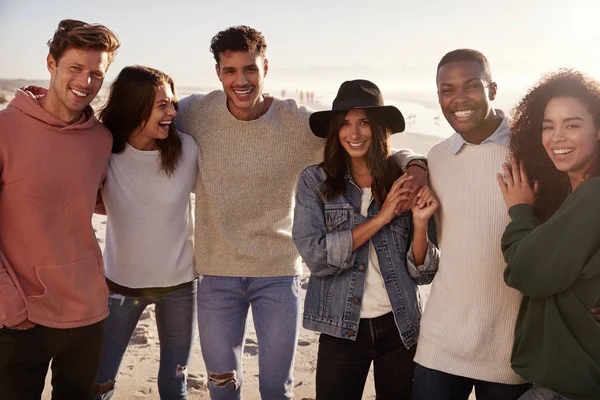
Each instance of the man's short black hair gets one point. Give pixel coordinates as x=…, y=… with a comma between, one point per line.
x=238, y=38
x=467, y=55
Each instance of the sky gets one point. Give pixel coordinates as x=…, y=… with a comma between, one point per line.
x=317, y=44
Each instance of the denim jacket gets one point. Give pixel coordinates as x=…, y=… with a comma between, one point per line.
x=322, y=234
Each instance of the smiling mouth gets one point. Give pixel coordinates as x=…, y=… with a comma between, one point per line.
x=562, y=152
x=165, y=124
x=80, y=94
x=356, y=144
x=243, y=93
x=463, y=113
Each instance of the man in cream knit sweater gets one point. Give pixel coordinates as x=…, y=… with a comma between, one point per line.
x=467, y=327
x=252, y=148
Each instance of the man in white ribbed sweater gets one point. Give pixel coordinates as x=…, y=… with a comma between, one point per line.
x=467, y=328
x=252, y=148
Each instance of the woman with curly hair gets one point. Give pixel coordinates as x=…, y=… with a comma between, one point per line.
x=552, y=245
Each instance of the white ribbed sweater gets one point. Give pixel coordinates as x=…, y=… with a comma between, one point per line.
x=149, y=237
x=247, y=178
x=468, y=325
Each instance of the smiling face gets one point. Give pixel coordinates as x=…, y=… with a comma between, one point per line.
x=242, y=75
x=74, y=82
x=570, y=136
x=465, y=95
x=355, y=134
x=160, y=120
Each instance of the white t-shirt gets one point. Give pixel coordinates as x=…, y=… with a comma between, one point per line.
x=149, y=231
x=375, y=301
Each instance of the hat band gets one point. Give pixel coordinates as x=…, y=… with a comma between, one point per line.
x=354, y=103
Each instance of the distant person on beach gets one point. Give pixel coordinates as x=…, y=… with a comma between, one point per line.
x=365, y=261
x=53, y=157
x=467, y=327
x=252, y=148
x=149, y=256
x=552, y=191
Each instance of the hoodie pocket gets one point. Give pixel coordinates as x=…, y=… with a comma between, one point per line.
x=73, y=292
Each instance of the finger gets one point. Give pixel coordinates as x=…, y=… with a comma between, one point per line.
x=404, y=178
x=524, y=178
x=501, y=183
x=508, y=176
x=516, y=173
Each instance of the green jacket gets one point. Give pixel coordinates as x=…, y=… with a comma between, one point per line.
x=556, y=265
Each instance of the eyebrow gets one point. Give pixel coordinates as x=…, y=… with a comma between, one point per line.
x=566, y=119
x=465, y=82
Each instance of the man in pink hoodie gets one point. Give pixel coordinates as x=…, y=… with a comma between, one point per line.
x=53, y=156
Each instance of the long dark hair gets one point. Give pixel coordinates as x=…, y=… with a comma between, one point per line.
x=336, y=164
x=526, y=142
x=130, y=105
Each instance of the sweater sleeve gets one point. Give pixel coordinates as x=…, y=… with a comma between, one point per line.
x=185, y=109
x=546, y=258
x=403, y=156
x=325, y=253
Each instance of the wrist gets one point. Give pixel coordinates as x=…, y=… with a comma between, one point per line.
x=422, y=164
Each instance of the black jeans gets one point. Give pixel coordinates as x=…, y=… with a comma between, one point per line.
x=343, y=364
x=431, y=384
x=25, y=355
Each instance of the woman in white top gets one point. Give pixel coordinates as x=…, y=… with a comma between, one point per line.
x=148, y=257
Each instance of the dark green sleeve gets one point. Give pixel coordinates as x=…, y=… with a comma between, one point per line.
x=545, y=259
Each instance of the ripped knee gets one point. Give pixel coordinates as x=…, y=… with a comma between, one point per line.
x=223, y=379
x=103, y=388
x=181, y=371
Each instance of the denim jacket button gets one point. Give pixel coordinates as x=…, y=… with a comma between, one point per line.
x=356, y=300
x=361, y=267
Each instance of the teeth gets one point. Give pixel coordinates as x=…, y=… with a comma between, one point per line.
x=243, y=92
x=357, y=144
x=78, y=93
x=165, y=123
x=560, y=152
x=463, y=113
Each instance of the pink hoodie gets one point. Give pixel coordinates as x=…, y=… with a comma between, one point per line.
x=50, y=262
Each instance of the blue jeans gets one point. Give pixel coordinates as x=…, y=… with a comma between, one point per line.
x=223, y=304
x=541, y=393
x=431, y=384
x=175, y=320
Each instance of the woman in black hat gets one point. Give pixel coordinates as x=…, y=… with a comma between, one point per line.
x=365, y=261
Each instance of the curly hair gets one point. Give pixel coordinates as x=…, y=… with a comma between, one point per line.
x=336, y=164
x=526, y=142
x=81, y=35
x=130, y=105
x=238, y=38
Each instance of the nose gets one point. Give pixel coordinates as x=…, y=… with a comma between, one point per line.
x=558, y=135
x=241, y=79
x=171, y=111
x=84, y=80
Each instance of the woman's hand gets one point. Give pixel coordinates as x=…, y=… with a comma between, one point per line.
x=396, y=194
x=427, y=204
x=515, y=185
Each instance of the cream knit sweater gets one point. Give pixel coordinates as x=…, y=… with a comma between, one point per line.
x=247, y=177
x=468, y=324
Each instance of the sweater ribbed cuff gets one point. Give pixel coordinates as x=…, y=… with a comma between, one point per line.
x=520, y=210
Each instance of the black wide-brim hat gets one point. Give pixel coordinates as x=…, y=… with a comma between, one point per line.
x=357, y=94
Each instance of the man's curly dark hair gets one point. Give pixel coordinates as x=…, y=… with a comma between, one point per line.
x=526, y=142
x=238, y=38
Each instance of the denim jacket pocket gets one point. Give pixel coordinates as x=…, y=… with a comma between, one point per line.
x=336, y=219
x=400, y=228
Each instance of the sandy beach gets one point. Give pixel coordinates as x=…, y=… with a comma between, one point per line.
x=137, y=379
